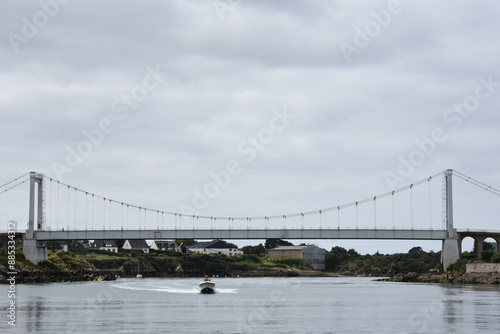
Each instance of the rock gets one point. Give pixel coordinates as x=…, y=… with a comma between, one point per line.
x=450, y=277
x=289, y=273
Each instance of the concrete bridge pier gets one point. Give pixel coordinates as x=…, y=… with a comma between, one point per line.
x=450, y=252
x=480, y=246
x=35, y=251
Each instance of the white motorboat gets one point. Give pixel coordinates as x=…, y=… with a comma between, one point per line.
x=206, y=287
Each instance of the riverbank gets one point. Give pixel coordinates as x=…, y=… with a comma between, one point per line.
x=95, y=266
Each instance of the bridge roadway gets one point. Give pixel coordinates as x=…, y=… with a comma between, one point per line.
x=244, y=234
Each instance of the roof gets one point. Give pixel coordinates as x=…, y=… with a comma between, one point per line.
x=138, y=243
x=103, y=243
x=218, y=244
x=289, y=248
x=292, y=248
x=164, y=243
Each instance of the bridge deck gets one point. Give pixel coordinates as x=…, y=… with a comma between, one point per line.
x=244, y=234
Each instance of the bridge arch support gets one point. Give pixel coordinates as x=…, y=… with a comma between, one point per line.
x=479, y=238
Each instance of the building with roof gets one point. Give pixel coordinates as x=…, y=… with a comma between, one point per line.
x=215, y=247
x=165, y=245
x=107, y=245
x=136, y=244
x=312, y=254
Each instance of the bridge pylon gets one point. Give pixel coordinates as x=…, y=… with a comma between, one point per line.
x=450, y=250
x=35, y=251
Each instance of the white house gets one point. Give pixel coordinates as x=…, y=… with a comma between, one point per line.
x=138, y=244
x=108, y=245
x=215, y=247
x=165, y=245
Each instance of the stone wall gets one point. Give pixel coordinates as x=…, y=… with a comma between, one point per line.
x=483, y=268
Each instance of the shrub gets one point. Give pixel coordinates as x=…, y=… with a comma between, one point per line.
x=107, y=263
x=487, y=255
x=164, y=265
x=460, y=265
x=241, y=266
x=250, y=258
x=495, y=258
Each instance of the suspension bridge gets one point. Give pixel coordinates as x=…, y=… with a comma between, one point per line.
x=64, y=212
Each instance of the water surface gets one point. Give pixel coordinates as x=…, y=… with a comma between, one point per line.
x=253, y=305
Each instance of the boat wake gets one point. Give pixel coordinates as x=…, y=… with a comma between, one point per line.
x=137, y=286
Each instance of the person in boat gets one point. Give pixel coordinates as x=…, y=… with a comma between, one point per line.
x=206, y=279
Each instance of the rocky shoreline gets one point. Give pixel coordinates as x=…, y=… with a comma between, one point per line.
x=450, y=277
x=51, y=276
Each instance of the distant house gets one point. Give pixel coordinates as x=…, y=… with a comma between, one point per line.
x=108, y=245
x=165, y=245
x=137, y=244
x=215, y=247
x=313, y=254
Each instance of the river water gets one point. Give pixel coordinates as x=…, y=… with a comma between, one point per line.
x=253, y=305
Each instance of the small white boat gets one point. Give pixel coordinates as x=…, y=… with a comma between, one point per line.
x=206, y=287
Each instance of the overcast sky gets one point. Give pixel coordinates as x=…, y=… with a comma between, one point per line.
x=284, y=106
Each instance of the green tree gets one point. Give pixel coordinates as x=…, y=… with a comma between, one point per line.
x=273, y=243
x=186, y=242
x=336, y=257
x=228, y=244
x=352, y=254
x=76, y=245
x=417, y=250
x=259, y=250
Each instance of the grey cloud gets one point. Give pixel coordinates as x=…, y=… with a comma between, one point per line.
x=354, y=121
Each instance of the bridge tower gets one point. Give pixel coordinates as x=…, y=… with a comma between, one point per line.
x=35, y=251
x=450, y=251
